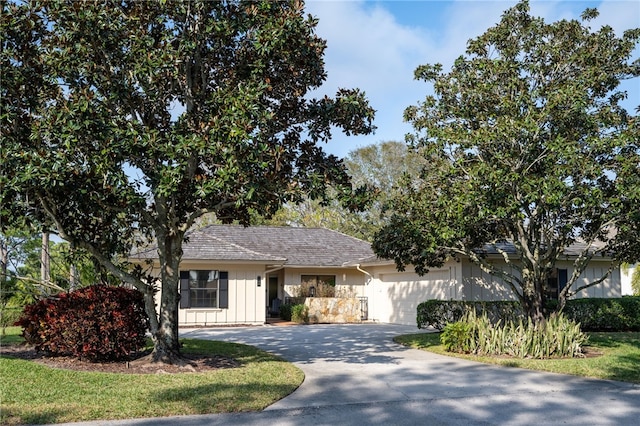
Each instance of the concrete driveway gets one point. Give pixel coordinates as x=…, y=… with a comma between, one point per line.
x=356, y=375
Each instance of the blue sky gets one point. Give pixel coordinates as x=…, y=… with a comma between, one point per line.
x=376, y=45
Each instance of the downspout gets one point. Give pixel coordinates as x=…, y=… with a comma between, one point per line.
x=370, y=278
x=363, y=271
x=268, y=271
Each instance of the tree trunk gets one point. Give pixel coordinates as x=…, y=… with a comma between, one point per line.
x=73, y=272
x=166, y=346
x=45, y=267
x=532, y=300
x=4, y=260
x=165, y=333
x=534, y=309
x=73, y=277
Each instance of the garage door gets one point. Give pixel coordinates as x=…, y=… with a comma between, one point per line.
x=397, y=295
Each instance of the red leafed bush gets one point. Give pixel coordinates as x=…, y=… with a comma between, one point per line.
x=95, y=323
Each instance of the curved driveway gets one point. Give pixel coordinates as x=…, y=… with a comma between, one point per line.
x=356, y=375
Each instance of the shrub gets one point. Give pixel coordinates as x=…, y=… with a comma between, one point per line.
x=594, y=314
x=438, y=313
x=96, y=323
x=285, y=312
x=457, y=337
x=597, y=314
x=300, y=314
x=555, y=337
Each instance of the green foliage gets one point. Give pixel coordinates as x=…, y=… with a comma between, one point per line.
x=596, y=314
x=438, y=313
x=300, y=314
x=21, y=283
x=97, y=323
x=377, y=169
x=526, y=142
x=635, y=281
x=457, y=337
x=61, y=259
x=555, y=337
x=9, y=314
x=285, y=311
x=16, y=248
x=124, y=122
x=593, y=314
x=14, y=295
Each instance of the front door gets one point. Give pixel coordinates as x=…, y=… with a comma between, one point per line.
x=272, y=293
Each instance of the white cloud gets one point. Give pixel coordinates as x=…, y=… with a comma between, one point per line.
x=366, y=45
x=370, y=48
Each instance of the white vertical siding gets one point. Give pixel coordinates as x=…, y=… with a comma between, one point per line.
x=611, y=287
x=247, y=301
x=478, y=285
x=393, y=296
x=481, y=286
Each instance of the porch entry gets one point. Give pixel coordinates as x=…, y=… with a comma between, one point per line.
x=272, y=294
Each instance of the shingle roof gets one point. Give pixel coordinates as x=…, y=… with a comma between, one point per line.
x=290, y=246
x=286, y=245
x=572, y=251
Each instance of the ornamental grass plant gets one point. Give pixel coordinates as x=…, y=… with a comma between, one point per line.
x=556, y=337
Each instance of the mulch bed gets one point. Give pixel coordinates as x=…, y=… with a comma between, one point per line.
x=198, y=363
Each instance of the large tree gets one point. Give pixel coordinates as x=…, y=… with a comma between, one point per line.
x=528, y=144
x=125, y=121
x=378, y=168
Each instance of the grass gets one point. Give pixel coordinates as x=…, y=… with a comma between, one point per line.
x=33, y=393
x=620, y=359
x=10, y=336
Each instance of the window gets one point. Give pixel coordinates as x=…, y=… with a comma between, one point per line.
x=315, y=280
x=204, y=289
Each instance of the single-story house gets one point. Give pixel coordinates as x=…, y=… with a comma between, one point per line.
x=233, y=275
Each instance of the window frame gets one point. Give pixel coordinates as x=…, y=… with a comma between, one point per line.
x=222, y=289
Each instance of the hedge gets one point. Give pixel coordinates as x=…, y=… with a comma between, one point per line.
x=593, y=314
x=438, y=313
x=614, y=314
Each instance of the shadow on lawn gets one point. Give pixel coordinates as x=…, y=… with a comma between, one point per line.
x=623, y=368
x=42, y=416
x=224, y=398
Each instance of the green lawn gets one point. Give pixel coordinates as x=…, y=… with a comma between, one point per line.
x=33, y=393
x=620, y=359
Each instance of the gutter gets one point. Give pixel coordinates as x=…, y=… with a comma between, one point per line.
x=268, y=271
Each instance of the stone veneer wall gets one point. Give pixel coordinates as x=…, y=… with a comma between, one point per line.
x=333, y=310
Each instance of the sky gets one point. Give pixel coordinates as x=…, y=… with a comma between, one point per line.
x=376, y=46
